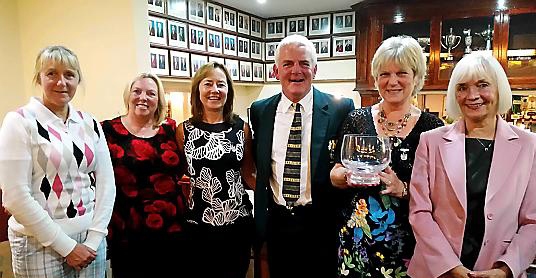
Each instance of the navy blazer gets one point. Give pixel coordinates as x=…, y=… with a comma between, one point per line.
x=328, y=114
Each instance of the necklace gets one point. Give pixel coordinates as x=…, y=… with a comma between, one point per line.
x=393, y=128
x=485, y=148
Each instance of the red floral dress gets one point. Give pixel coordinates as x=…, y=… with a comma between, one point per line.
x=150, y=202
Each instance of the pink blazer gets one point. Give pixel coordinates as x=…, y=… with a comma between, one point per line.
x=438, y=201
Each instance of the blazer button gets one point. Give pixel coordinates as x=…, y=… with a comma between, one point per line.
x=490, y=216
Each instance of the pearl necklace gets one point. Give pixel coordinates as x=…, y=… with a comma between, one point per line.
x=393, y=128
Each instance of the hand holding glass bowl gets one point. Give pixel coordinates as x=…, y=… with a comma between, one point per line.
x=365, y=156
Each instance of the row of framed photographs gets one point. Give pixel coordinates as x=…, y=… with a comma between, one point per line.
x=313, y=25
x=210, y=14
x=166, y=62
x=180, y=34
x=228, y=19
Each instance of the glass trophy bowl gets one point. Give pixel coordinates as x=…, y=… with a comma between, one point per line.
x=365, y=156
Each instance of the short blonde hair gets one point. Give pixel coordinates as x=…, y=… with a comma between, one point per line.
x=161, y=108
x=406, y=52
x=57, y=54
x=477, y=66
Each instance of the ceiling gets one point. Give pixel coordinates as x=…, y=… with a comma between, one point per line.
x=276, y=8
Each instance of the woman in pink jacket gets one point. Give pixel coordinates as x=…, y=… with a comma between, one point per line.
x=473, y=187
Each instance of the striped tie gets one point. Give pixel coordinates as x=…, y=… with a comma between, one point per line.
x=292, y=169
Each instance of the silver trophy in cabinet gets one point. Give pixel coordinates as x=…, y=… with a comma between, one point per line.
x=468, y=40
x=487, y=35
x=450, y=42
x=423, y=42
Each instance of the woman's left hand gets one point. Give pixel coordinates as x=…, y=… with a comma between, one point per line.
x=499, y=270
x=393, y=185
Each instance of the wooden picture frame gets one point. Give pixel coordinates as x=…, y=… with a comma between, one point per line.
x=255, y=26
x=275, y=28
x=258, y=72
x=270, y=73
x=243, y=47
x=322, y=47
x=344, y=22
x=229, y=44
x=157, y=30
x=197, y=62
x=178, y=34
x=159, y=62
x=155, y=6
x=197, y=38
x=229, y=19
x=344, y=46
x=177, y=8
x=270, y=50
x=196, y=11
x=256, y=49
x=214, y=15
x=180, y=63
x=214, y=40
x=297, y=26
x=245, y=71
x=232, y=67
x=243, y=23
x=319, y=24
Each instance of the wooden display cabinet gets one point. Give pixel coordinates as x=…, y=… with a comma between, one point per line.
x=447, y=30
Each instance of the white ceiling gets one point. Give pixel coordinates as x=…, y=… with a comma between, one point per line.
x=276, y=8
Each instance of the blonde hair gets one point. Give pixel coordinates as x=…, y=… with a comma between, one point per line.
x=57, y=54
x=161, y=108
x=477, y=66
x=406, y=52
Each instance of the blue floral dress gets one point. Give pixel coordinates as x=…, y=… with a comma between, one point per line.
x=375, y=237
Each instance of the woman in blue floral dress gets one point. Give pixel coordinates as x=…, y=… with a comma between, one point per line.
x=375, y=237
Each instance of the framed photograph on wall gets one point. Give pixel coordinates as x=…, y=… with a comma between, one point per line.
x=155, y=6
x=243, y=23
x=255, y=27
x=229, y=44
x=197, y=38
x=258, y=72
x=180, y=63
x=157, y=30
x=197, y=62
x=319, y=24
x=270, y=73
x=344, y=46
x=229, y=19
x=297, y=25
x=275, y=28
x=232, y=67
x=344, y=22
x=214, y=15
x=216, y=59
x=243, y=47
x=177, y=8
x=270, y=50
x=255, y=49
x=214, y=41
x=322, y=47
x=196, y=11
x=159, y=61
x=245, y=71
x=178, y=34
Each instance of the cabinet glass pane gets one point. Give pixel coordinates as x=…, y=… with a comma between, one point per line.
x=522, y=46
x=463, y=36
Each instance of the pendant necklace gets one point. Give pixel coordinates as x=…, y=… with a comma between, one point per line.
x=485, y=148
x=392, y=128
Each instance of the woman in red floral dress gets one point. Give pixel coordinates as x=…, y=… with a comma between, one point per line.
x=147, y=221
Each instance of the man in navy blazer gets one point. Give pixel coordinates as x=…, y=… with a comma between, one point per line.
x=299, y=236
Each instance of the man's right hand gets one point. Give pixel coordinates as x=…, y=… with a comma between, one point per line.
x=457, y=272
x=80, y=257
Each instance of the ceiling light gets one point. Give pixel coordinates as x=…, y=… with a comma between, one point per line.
x=261, y=1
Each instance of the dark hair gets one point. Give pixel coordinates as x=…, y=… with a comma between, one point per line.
x=195, y=100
